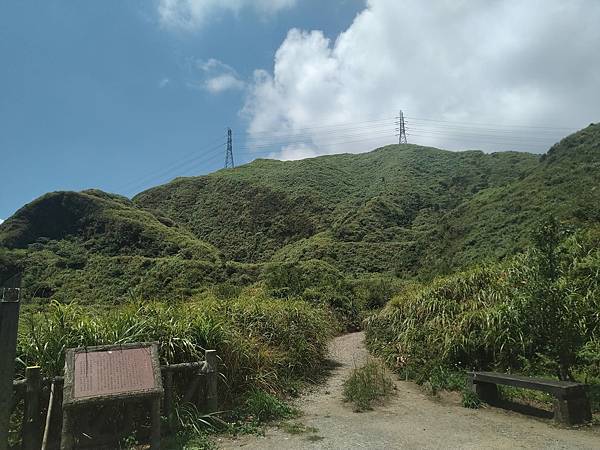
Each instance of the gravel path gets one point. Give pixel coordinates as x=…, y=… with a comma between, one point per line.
x=410, y=420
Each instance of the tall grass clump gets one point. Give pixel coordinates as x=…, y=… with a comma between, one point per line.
x=262, y=342
x=366, y=385
x=264, y=407
x=538, y=313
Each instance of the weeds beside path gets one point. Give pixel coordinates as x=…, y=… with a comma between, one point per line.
x=410, y=419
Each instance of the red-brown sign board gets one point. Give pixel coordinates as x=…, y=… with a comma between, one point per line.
x=111, y=372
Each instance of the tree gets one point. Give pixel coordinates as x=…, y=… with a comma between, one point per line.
x=551, y=318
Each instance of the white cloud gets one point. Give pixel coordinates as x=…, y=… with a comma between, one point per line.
x=163, y=83
x=216, y=76
x=191, y=15
x=1, y=220
x=501, y=63
x=295, y=151
x=222, y=83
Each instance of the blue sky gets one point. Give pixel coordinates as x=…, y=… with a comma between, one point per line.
x=100, y=93
x=124, y=95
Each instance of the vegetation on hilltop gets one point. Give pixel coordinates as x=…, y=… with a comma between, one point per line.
x=393, y=194
x=102, y=223
x=405, y=211
x=97, y=247
x=498, y=221
x=246, y=221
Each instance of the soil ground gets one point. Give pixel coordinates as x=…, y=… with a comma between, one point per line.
x=411, y=419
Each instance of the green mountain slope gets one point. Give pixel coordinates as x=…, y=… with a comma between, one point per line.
x=489, y=224
x=101, y=222
x=498, y=221
x=94, y=246
x=403, y=210
x=255, y=210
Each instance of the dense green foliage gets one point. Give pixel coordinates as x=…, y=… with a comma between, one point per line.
x=498, y=221
x=262, y=342
x=264, y=407
x=370, y=212
x=94, y=247
x=537, y=313
x=102, y=223
x=320, y=283
x=403, y=211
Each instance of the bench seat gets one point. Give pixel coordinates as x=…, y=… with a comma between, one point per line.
x=571, y=405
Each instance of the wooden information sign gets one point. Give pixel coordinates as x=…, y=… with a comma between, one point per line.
x=96, y=375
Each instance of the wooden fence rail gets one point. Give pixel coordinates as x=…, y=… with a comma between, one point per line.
x=36, y=392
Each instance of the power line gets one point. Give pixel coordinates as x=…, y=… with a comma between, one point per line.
x=308, y=135
x=468, y=134
x=270, y=142
x=387, y=132
x=170, y=170
x=199, y=163
x=270, y=152
x=192, y=154
x=477, y=141
x=342, y=124
x=494, y=124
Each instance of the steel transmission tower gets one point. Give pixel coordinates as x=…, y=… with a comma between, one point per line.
x=401, y=129
x=229, y=151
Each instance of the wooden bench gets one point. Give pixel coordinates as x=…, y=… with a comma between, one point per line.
x=571, y=405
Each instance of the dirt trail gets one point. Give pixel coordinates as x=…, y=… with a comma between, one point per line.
x=411, y=420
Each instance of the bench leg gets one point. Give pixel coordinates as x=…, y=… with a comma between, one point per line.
x=571, y=411
x=487, y=392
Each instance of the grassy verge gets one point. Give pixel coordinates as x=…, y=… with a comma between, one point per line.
x=535, y=314
x=266, y=346
x=262, y=342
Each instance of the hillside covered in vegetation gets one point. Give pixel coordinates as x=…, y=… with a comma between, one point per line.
x=404, y=211
x=449, y=260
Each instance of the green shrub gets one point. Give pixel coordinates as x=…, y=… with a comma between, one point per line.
x=261, y=341
x=537, y=313
x=375, y=291
x=442, y=378
x=265, y=407
x=367, y=384
x=470, y=399
x=317, y=282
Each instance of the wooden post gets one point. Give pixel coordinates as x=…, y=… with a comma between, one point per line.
x=155, y=438
x=200, y=396
x=129, y=418
x=168, y=398
x=31, y=419
x=57, y=416
x=193, y=387
x=9, y=320
x=48, y=416
x=212, y=374
x=487, y=392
